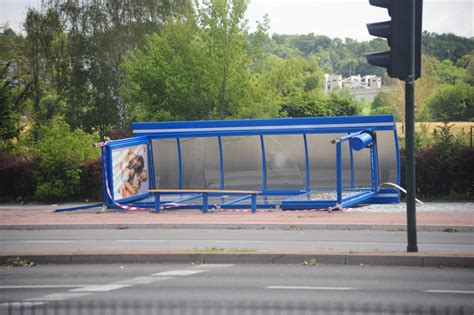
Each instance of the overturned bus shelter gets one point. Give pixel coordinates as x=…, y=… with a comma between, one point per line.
x=291, y=163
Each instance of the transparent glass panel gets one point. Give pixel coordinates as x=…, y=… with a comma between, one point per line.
x=242, y=163
x=362, y=171
x=322, y=161
x=387, y=156
x=285, y=161
x=165, y=159
x=200, y=163
x=346, y=165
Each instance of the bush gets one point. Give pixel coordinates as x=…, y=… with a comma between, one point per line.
x=61, y=152
x=443, y=173
x=91, y=180
x=16, y=176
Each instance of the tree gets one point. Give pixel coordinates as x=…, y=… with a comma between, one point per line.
x=448, y=73
x=382, y=104
x=343, y=103
x=447, y=46
x=41, y=31
x=170, y=78
x=226, y=37
x=452, y=103
x=9, y=118
x=88, y=48
x=305, y=105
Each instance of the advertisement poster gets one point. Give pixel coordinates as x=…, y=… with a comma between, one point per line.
x=130, y=171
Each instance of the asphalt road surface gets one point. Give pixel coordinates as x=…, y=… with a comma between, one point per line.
x=243, y=239
x=234, y=289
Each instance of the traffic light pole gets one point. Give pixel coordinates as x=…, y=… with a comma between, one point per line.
x=410, y=139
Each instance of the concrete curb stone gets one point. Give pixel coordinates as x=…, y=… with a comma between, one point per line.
x=350, y=227
x=380, y=259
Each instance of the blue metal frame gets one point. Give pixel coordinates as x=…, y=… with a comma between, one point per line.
x=349, y=126
x=264, y=164
x=221, y=158
x=180, y=165
x=306, y=160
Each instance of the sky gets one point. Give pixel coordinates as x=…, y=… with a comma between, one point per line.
x=334, y=18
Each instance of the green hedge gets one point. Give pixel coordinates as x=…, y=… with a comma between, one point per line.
x=18, y=180
x=16, y=177
x=441, y=175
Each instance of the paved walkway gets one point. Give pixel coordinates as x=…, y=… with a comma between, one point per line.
x=436, y=215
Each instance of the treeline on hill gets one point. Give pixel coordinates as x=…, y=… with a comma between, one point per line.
x=85, y=69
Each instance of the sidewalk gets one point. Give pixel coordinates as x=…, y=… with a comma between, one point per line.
x=432, y=218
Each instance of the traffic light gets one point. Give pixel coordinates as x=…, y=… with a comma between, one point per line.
x=397, y=32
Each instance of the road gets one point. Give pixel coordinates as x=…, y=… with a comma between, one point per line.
x=234, y=289
x=242, y=239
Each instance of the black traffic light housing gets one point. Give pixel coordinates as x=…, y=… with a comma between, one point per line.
x=397, y=32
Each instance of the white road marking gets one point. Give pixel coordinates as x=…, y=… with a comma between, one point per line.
x=238, y=241
x=141, y=241
x=213, y=266
x=21, y=304
x=450, y=291
x=100, y=288
x=47, y=241
x=57, y=297
x=277, y=287
x=41, y=286
x=178, y=273
x=142, y=280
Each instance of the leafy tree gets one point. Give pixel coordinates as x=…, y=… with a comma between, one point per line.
x=305, y=105
x=447, y=46
x=225, y=34
x=452, y=103
x=343, y=103
x=41, y=30
x=85, y=51
x=467, y=63
x=425, y=86
x=382, y=104
x=170, y=78
x=448, y=73
x=9, y=118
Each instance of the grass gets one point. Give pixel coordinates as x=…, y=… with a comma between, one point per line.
x=460, y=128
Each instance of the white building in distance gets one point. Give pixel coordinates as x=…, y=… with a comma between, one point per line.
x=354, y=82
x=332, y=82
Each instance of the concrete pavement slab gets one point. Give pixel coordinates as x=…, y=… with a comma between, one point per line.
x=439, y=217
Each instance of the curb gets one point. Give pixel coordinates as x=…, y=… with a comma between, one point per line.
x=205, y=226
x=380, y=259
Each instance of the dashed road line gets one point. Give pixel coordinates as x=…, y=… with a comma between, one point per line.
x=46, y=241
x=142, y=280
x=278, y=287
x=20, y=304
x=213, y=266
x=40, y=286
x=84, y=290
x=56, y=297
x=101, y=288
x=178, y=273
x=450, y=291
